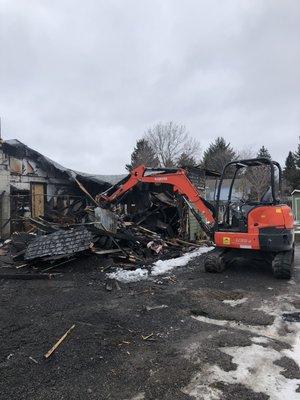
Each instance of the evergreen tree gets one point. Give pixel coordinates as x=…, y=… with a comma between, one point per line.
x=264, y=153
x=186, y=160
x=290, y=163
x=218, y=154
x=291, y=173
x=143, y=154
x=297, y=156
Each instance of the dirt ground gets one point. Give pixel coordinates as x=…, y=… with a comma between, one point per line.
x=183, y=335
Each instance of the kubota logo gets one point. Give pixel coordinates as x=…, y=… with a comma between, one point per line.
x=161, y=179
x=226, y=240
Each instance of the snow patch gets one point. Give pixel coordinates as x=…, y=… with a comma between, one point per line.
x=294, y=353
x=278, y=305
x=125, y=276
x=139, y=396
x=160, y=267
x=255, y=363
x=259, y=339
x=255, y=370
x=268, y=332
x=234, y=303
x=201, y=391
x=265, y=376
x=149, y=308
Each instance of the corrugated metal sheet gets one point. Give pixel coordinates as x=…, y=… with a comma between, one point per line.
x=106, y=218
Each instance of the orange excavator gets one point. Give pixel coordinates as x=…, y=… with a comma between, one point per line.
x=254, y=230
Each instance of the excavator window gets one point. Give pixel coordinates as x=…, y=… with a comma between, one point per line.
x=243, y=191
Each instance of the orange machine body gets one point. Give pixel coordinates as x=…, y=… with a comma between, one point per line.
x=260, y=219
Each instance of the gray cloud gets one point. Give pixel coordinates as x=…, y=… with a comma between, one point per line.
x=81, y=81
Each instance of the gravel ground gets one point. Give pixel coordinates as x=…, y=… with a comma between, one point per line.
x=183, y=335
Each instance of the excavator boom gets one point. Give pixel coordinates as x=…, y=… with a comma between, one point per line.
x=181, y=184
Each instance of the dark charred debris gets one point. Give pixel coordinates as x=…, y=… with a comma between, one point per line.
x=50, y=245
x=48, y=232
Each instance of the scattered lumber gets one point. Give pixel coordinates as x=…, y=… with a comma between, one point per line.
x=57, y=265
x=58, y=343
x=80, y=229
x=148, y=337
x=189, y=243
x=111, y=251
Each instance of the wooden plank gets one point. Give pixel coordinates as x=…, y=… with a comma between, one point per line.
x=191, y=244
x=85, y=191
x=37, y=199
x=55, y=346
x=56, y=265
x=111, y=251
x=21, y=266
x=147, y=230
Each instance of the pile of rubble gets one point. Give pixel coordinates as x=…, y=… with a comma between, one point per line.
x=86, y=227
x=49, y=244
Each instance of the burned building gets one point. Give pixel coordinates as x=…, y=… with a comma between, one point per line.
x=32, y=185
x=35, y=188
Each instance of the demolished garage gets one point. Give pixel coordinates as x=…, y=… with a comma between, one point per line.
x=52, y=213
x=32, y=185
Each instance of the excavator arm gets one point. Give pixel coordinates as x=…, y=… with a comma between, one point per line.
x=181, y=184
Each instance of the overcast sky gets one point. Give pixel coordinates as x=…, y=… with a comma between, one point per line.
x=80, y=81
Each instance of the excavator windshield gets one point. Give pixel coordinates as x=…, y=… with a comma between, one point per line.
x=245, y=184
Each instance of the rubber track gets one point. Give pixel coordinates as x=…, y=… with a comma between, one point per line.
x=282, y=265
x=213, y=262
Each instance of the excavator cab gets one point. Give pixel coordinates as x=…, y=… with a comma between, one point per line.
x=236, y=199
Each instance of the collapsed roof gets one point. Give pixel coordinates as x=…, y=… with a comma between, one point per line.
x=95, y=183
x=18, y=149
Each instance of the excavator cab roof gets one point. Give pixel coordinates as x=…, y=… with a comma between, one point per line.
x=253, y=162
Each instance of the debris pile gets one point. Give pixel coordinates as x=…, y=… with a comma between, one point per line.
x=127, y=243
x=61, y=236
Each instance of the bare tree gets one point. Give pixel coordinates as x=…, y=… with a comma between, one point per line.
x=258, y=181
x=254, y=181
x=246, y=153
x=170, y=141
